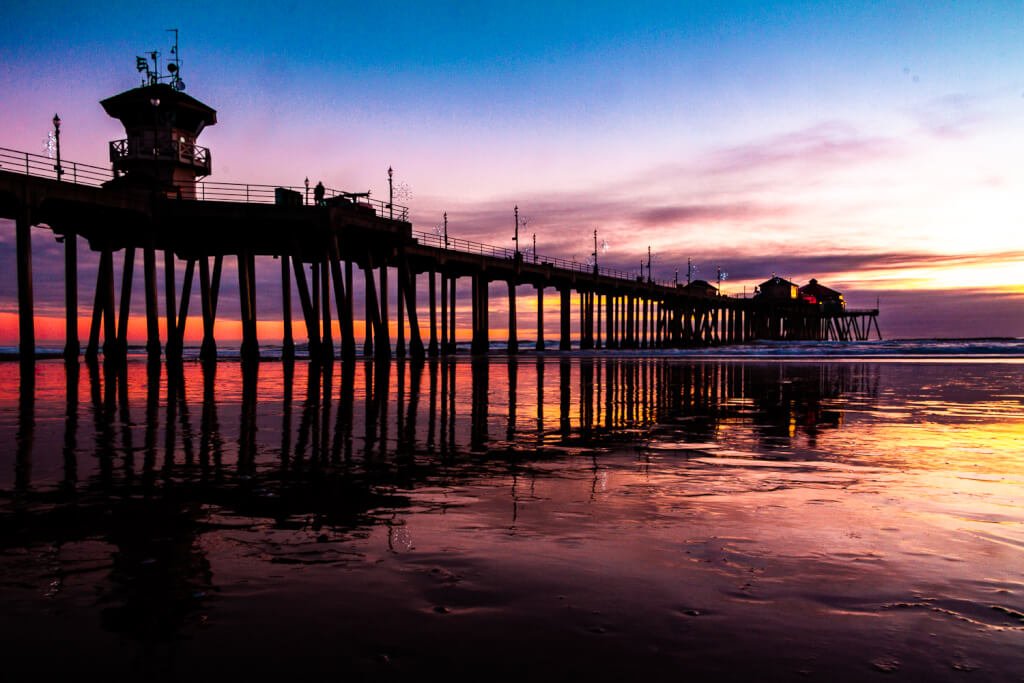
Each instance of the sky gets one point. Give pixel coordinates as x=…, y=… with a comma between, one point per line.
x=873, y=146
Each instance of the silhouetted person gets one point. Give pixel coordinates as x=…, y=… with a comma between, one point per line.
x=318, y=194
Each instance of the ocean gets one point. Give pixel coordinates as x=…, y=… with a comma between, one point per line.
x=780, y=511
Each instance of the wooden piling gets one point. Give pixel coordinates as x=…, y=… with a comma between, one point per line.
x=250, y=351
x=343, y=301
x=444, y=314
x=208, y=350
x=152, y=312
x=107, y=294
x=432, y=294
x=513, y=337
x=540, y=318
x=71, y=345
x=451, y=314
x=171, y=349
x=309, y=314
x=564, y=342
x=609, y=321
x=399, y=312
x=408, y=283
x=382, y=334
x=127, y=272
x=288, y=341
x=480, y=341
x=327, y=346
x=26, y=304
x=186, y=298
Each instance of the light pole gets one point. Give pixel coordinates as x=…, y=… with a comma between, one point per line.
x=648, y=263
x=306, y=200
x=534, y=247
x=515, y=237
x=56, y=136
x=155, y=101
x=391, y=193
x=445, y=229
x=595, y=252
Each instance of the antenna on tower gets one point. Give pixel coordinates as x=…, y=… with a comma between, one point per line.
x=153, y=75
x=174, y=65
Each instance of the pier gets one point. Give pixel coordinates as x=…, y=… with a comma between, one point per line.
x=155, y=202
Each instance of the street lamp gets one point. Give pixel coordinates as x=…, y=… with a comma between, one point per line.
x=595, y=252
x=534, y=247
x=648, y=263
x=391, y=193
x=155, y=101
x=56, y=136
x=445, y=229
x=306, y=200
x=515, y=237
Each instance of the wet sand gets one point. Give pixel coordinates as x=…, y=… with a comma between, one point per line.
x=571, y=519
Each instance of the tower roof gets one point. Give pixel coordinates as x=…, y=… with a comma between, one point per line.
x=134, y=107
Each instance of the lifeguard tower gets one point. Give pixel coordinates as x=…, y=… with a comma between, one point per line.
x=162, y=124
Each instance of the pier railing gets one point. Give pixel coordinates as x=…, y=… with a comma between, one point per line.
x=42, y=166
x=432, y=239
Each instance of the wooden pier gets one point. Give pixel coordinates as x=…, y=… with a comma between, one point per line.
x=154, y=202
x=328, y=242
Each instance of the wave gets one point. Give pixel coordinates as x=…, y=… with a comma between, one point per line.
x=973, y=348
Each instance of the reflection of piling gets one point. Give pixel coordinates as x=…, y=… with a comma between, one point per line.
x=25, y=436
x=480, y=372
x=72, y=370
x=564, y=396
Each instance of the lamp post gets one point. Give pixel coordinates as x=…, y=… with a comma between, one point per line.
x=306, y=200
x=445, y=229
x=534, y=247
x=595, y=252
x=391, y=193
x=648, y=263
x=515, y=237
x=155, y=101
x=56, y=137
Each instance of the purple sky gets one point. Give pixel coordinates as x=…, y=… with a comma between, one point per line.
x=874, y=147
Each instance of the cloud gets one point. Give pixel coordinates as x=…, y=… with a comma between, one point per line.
x=952, y=116
x=831, y=144
x=961, y=312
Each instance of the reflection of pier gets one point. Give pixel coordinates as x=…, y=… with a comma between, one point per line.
x=142, y=468
x=385, y=416
x=154, y=201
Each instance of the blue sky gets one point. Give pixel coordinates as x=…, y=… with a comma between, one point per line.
x=875, y=146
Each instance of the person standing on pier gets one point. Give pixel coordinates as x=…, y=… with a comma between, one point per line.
x=318, y=194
